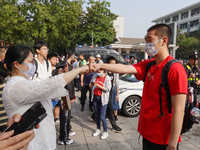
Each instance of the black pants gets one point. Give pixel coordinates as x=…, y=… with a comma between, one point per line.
x=65, y=127
x=84, y=91
x=109, y=113
x=147, y=145
x=78, y=84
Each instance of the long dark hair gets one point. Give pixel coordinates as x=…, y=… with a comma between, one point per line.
x=16, y=53
x=3, y=73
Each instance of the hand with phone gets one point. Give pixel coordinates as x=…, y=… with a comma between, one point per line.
x=29, y=120
x=19, y=141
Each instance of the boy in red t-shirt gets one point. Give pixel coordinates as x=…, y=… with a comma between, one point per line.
x=100, y=85
x=159, y=133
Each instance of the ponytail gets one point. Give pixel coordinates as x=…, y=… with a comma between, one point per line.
x=3, y=73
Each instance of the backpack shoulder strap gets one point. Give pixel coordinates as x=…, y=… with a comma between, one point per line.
x=149, y=65
x=36, y=73
x=165, y=85
x=47, y=62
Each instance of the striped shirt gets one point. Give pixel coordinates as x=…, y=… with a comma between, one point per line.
x=3, y=115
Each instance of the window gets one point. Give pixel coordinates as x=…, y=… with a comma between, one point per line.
x=183, y=26
x=175, y=18
x=195, y=11
x=194, y=24
x=184, y=15
x=167, y=20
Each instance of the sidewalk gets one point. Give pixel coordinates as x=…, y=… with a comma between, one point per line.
x=128, y=139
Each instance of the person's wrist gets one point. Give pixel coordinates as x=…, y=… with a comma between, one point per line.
x=172, y=146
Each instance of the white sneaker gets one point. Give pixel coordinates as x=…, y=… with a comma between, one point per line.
x=104, y=135
x=69, y=141
x=57, y=122
x=72, y=133
x=97, y=132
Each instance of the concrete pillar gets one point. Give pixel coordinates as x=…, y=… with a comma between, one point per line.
x=179, y=17
x=119, y=50
x=189, y=13
x=188, y=28
x=128, y=50
x=170, y=19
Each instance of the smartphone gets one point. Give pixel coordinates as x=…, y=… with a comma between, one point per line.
x=29, y=119
x=65, y=61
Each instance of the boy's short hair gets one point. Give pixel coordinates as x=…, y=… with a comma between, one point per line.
x=39, y=44
x=109, y=59
x=161, y=31
x=50, y=55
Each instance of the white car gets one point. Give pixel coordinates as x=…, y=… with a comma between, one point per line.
x=130, y=94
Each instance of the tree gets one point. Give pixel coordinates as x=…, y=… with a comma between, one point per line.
x=180, y=36
x=66, y=22
x=11, y=22
x=187, y=46
x=60, y=23
x=53, y=21
x=98, y=20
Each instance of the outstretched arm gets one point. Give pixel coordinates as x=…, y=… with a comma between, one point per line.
x=115, y=68
x=69, y=76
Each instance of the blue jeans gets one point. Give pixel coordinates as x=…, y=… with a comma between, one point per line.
x=100, y=112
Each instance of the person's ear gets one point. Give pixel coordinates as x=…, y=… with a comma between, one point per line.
x=165, y=41
x=37, y=51
x=16, y=64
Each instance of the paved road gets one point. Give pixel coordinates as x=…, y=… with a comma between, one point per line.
x=128, y=139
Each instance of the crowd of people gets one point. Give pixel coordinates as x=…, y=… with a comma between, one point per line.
x=26, y=79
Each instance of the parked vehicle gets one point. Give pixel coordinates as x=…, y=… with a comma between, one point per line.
x=104, y=52
x=130, y=94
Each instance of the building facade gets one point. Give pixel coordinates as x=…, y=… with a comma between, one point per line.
x=187, y=18
x=119, y=26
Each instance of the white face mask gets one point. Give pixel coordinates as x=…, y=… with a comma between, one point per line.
x=150, y=48
x=31, y=70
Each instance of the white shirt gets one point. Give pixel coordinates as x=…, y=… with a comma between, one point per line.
x=42, y=71
x=20, y=94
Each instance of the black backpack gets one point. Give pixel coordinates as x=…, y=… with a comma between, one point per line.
x=36, y=64
x=187, y=122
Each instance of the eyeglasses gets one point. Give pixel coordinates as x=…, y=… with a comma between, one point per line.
x=45, y=49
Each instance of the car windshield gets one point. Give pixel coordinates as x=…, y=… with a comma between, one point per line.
x=128, y=77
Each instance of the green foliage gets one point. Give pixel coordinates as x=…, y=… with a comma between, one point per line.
x=99, y=21
x=187, y=46
x=179, y=36
x=10, y=22
x=60, y=23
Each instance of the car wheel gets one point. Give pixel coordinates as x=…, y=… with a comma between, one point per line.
x=131, y=106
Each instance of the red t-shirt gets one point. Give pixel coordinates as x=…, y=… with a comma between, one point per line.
x=151, y=127
x=100, y=81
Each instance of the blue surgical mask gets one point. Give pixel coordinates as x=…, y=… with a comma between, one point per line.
x=99, y=74
x=150, y=48
x=31, y=70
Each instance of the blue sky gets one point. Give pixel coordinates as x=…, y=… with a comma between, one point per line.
x=138, y=14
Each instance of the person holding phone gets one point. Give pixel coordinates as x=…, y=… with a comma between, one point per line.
x=101, y=85
x=20, y=92
x=19, y=141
